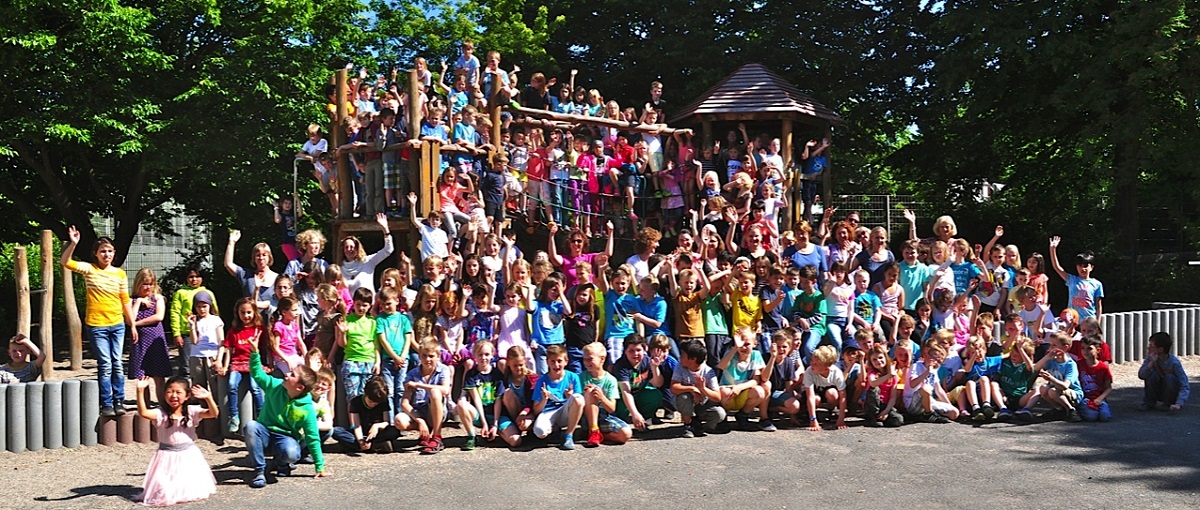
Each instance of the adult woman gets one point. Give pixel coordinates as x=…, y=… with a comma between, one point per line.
x=875, y=257
x=844, y=249
x=259, y=285
x=944, y=228
x=804, y=253
x=109, y=310
x=311, y=243
x=645, y=243
x=754, y=243
x=576, y=242
x=358, y=269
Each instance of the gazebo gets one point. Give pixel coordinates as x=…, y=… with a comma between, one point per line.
x=764, y=101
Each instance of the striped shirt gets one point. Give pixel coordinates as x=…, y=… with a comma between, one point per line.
x=107, y=293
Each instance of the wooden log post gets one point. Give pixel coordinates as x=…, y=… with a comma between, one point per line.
x=74, y=326
x=46, y=322
x=417, y=157
x=24, y=314
x=337, y=137
x=791, y=179
x=414, y=105
x=707, y=127
x=494, y=107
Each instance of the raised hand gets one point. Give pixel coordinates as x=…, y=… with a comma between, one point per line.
x=235, y=236
x=999, y=230
x=412, y=198
x=382, y=221
x=1054, y=241
x=200, y=392
x=910, y=216
x=143, y=383
x=73, y=234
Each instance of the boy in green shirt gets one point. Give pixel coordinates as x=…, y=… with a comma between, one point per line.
x=286, y=418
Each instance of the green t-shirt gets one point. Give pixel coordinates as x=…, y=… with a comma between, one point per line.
x=1014, y=378
x=715, y=322
x=395, y=329
x=360, y=339
x=606, y=382
x=811, y=307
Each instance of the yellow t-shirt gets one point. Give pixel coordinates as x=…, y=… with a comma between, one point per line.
x=107, y=293
x=747, y=310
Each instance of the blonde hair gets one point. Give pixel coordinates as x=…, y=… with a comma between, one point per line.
x=428, y=344
x=945, y=220
x=267, y=248
x=308, y=236
x=593, y=349
x=825, y=355
x=142, y=275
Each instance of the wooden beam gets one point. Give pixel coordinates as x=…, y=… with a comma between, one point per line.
x=494, y=113
x=414, y=105
x=827, y=175
x=24, y=314
x=596, y=121
x=74, y=327
x=707, y=128
x=46, y=322
x=337, y=135
x=791, y=178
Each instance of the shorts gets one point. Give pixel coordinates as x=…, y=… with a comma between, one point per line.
x=939, y=408
x=953, y=394
x=448, y=357
x=609, y=423
x=538, y=190
x=513, y=185
x=391, y=174
x=739, y=401
x=1072, y=397
x=779, y=398
x=487, y=416
x=328, y=182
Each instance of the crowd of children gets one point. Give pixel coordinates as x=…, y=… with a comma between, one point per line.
x=744, y=318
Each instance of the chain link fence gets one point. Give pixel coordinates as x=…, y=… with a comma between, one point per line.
x=880, y=210
x=159, y=251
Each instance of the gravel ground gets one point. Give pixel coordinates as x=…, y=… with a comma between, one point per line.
x=1138, y=459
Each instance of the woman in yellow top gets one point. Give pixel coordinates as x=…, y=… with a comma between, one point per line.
x=108, y=312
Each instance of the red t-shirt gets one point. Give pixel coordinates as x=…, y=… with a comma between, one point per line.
x=237, y=342
x=1076, y=351
x=536, y=168
x=1094, y=379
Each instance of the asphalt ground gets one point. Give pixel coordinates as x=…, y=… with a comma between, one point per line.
x=1140, y=459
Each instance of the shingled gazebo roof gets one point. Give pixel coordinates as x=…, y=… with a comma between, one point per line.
x=754, y=92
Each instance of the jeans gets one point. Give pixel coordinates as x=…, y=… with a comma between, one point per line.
x=450, y=221
x=560, y=193
x=574, y=359
x=235, y=383
x=393, y=375
x=372, y=198
x=345, y=436
x=1103, y=413
x=1158, y=389
x=835, y=332
x=710, y=413
x=260, y=442
x=539, y=360
x=108, y=344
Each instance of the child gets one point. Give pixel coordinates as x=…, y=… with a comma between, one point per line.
x=479, y=408
x=772, y=295
x=285, y=216
x=207, y=335
x=808, y=312
x=233, y=357
x=450, y=330
x=370, y=426
x=923, y=393
x=618, y=307
x=548, y=311
x=891, y=298
x=867, y=305
x=1062, y=389
x=782, y=376
x=1165, y=379
x=747, y=306
x=741, y=370
x=640, y=378
x=426, y=391
x=697, y=395
x=323, y=398
x=1086, y=294
x=824, y=384
x=517, y=401
x=582, y=326
x=1096, y=380
x=286, y=342
x=1015, y=378
x=435, y=242
x=880, y=388
x=839, y=300
x=25, y=361
x=149, y=356
x=1035, y=317
x=660, y=349
x=558, y=399
x=913, y=276
x=976, y=385
x=181, y=307
x=600, y=398
x=395, y=337
x=514, y=326
x=689, y=292
x=287, y=418
x=358, y=340
x=178, y=472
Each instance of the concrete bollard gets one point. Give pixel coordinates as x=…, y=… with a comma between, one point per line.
x=107, y=431
x=35, y=416
x=89, y=412
x=153, y=433
x=53, y=405
x=125, y=428
x=141, y=429
x=16, y=417
x=221, y=397
x=3, y=420
x=70, y=413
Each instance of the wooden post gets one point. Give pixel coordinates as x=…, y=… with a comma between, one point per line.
x=46, y=322
x=414, y=106
x=707, y=127
x=24, y=315
x=827, y=176
x=791, y=180
x=74, y=327
x=337, y=138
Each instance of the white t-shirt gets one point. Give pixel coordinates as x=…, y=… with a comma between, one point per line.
x=911, y=388
x=814, y=380
x=993, y=299
x=434, y=241
x=1030, y=319
x=314, y=150
x=705, y=377
x=641, y=268
x=206, y=331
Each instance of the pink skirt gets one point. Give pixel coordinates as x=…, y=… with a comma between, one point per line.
x=177, y=477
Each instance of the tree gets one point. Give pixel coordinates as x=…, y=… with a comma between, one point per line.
x=116, y=109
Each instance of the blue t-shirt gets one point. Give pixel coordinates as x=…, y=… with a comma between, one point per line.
x=655, y=309
x=420, y=396
x=1084, y=294
x=817, y=259
x=463, y=131
x=912, y=280
x=963, y=274
x=470, y=65
x=773, y=320
x=616, y=312
x=815, y=164
x=866, y=305
x=1066, y=371
x=558, y=389
x=547, y=322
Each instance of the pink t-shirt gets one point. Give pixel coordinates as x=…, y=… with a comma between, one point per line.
x=570, y=276
x=289, y=337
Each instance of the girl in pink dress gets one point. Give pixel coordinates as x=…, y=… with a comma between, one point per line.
x=178, y=472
